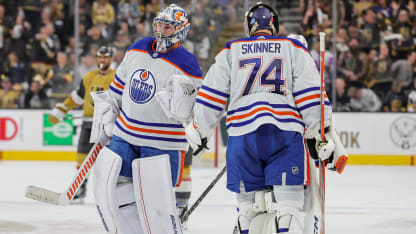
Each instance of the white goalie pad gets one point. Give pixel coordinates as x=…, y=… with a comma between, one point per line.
x=177, y=99
x=105, y=175
x=313, y=204
x=105, y=113
x=154, y=194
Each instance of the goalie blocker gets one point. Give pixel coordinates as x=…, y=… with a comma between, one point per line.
x=333, y=153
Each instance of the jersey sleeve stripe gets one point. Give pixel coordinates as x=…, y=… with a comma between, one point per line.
x=215, y=91
x=312, y=104
x=115, y=90
x=208, y=105
x=204, y=95
x=117, y=84
x=306, y=90
x=76, y=98
x=267, y=109
x=119, y=80
x=157, y=138
x=310, y=97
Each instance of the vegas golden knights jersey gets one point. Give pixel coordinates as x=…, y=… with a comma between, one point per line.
x=92, y=81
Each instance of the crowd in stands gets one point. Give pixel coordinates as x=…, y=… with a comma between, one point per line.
x=375, y=44
x=37, y=41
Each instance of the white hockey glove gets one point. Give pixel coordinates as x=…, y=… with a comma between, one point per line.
x=105, y=114
x=333, y=153
x=177, y=99
x=57, y=113
x=195, y=140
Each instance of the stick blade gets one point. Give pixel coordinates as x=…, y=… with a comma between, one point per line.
x=43, y=195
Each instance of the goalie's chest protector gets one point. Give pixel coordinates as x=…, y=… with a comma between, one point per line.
x=139, y=77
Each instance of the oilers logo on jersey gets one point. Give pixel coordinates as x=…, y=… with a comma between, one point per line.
x=142, y=86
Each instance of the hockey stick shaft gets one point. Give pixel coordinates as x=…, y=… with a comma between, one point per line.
x=185, y=216
x=323, y=140
x=63, y=198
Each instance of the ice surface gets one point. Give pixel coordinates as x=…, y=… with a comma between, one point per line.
x=365, y=199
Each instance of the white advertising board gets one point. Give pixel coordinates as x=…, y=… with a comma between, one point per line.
x=24, y=130
x=377, y=133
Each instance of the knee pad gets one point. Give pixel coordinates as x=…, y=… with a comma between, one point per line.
x=279, y=211
x=286, y=202
x=250, y=205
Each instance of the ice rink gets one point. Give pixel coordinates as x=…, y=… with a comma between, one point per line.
x=363, y=200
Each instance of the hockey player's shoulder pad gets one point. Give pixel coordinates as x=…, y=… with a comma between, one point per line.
x=186, y=61
x=143, y=44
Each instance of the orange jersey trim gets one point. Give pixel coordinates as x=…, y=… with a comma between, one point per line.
x=237, y=117
x=150, y=130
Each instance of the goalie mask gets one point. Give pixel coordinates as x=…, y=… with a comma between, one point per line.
x=175, y=17
x=261, y=16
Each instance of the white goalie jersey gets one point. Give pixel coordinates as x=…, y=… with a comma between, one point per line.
x=142, y=73
x=263, y=80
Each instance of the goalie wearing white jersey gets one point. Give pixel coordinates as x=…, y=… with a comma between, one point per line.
x=272, y=88
x=152, y=93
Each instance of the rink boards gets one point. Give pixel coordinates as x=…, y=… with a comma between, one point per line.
x=370, y=138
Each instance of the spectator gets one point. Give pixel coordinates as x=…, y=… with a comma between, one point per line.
x=351, y=65
x=8, y=96
x=16, y=70
x=87, y=64
x=21, y=34
x=411, y=101
x=128, y=10
x=4, y=28
x=95, y=40
x=394, y=102
x=123, y=41
x=32, y=10
x=36, y=98
x=404, y=27
x=370, y=31
x=45, y=47
x=342, y=99
x=140, y=32
x=60, y=80
x=402, y=73
x=363, y=99
x=361, y=5
x=103, y=16
x=228, y=7
x=198, y=42
x=382, y=79
x=383, y=8
x=147, y=19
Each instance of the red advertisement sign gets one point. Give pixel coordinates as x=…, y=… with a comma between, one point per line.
x=8, y=129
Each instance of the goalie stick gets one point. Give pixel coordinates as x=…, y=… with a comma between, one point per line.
x=47, y=196
x=185, y=215
x=323, y=141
